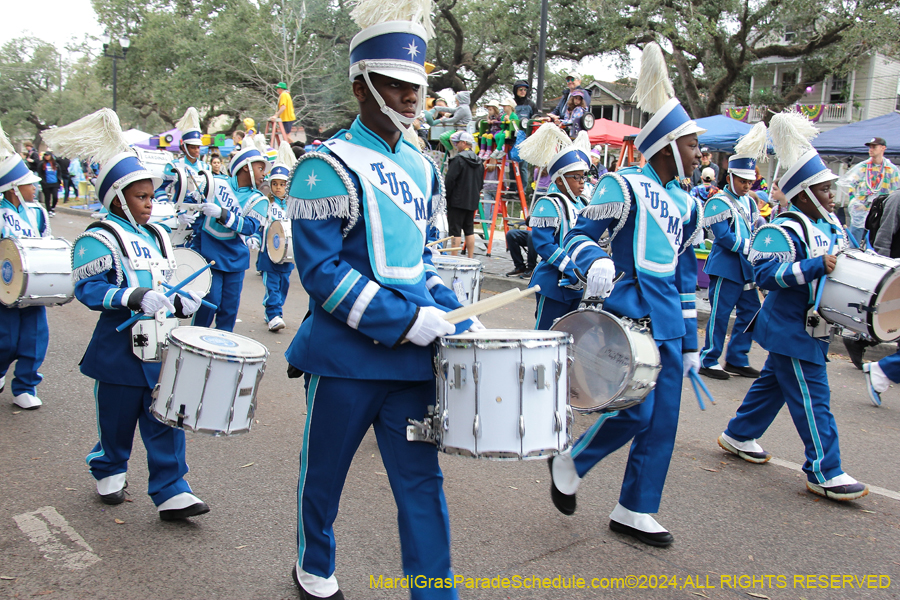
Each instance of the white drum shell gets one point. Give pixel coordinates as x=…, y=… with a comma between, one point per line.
x=188, y=262
x=217, y=389
x=279, y=242
x=462, y=275
x=490, y=404
x=863, y=295
x=40, y=269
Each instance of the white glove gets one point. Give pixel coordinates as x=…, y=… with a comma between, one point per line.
x=691, y=361
x=476, y=325
x=600, y=278
x=190, y=305
x=186, y=218
x=253, y=243
x=430, y=325
x=211, y=210
x=153, y=301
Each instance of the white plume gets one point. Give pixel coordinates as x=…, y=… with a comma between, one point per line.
x=654, y=88
x=6, y=147
x=791, y=133
x=540, y=147
x=190, y=120
x=96, y=137
x=754, y=144
x=372, y=12
x=260, y=143
x=286, y=155
x=583, y=142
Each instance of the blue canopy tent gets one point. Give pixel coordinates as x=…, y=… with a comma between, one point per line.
x=850, y=140
x=722, y=132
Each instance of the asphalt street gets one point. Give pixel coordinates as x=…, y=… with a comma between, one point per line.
x=741, y=530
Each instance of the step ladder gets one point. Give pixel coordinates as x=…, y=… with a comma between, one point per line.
x=626, y=157
x=275, y=133
x=509, y=173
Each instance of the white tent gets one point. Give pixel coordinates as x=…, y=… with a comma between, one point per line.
x=136, y=136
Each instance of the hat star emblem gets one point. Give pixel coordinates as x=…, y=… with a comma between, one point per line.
x=81, y=252
x=412, y=49
x=767, y=240
x=600, y=192
x=312, y=180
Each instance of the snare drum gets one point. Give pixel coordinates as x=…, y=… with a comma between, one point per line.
x=616, y=360
x=863, y=294
x=502, y=394
x=35, y=272
x=462, y=275
x=279, y=246
x=188, y=262
x=209, y=380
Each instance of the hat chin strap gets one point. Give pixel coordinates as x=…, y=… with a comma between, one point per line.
x=676, y=157
x=402, y=123
x=821, y=210
x=125, y=208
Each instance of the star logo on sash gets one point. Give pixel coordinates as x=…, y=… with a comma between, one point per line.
x=81, y=252
x=767, y=240
x=600, y=192
x=412, y=49
x=312, y=180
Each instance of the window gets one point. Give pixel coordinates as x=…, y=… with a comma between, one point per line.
x=788, y=81
x=790, y=36
x=838, y=89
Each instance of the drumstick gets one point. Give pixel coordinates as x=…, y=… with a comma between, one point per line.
x=479, y=308
x=697, y=381
x=209, y=305
x=449, y=249
x=440, y=241
x=134, y=319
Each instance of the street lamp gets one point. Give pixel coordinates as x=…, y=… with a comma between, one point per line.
x=124, y=43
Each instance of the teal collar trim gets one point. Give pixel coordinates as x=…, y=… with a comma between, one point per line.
x=371, y=139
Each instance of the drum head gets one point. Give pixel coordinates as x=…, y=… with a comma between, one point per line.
x=188, y=262
x=456, y=262
x=886, y=322
x=12, y=278
x=214, y=341
x=276, y=242
x=603, y=358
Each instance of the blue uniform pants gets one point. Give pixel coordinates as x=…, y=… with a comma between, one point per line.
x=548, y=310
x=119, y=409
x=339, y=412
x=23, y=338
x=891, y=366
x=651, y=424
x=225, y=293
x=804, y=387
x=725, y=296
x=277, y=284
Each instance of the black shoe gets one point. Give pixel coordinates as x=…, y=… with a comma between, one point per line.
x=564, y=503
x=526, y=274
x=714, y=373
x=661, y=539
x=198, y=508
x=514, y=272
x=747, y=371
x=115, y=497
x=856, y=348
x=304, y=595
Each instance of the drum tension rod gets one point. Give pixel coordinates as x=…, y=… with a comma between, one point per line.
x=181, y=414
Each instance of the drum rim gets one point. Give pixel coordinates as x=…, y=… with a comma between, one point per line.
x=458, y=341
x=287, y=234
x=191, y=251
x=186, y=345
x=458, y=261
x=21, y=300
x=873, y=303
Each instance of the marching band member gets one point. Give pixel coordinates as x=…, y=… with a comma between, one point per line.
x=790, y=257
x=652, y=223
x=553, y=216
x=24, y=334
x=233, y=216
x=361, y=207
x=276, y=277
x=190, y=145
x=730, y=216
x=117, y=267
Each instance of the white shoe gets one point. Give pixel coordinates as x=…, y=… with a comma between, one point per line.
x=27, y=401
x=276, y=324
x=2, y=384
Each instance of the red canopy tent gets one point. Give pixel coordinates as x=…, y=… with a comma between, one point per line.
x=609, y=132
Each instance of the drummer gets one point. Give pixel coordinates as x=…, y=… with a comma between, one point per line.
x=276, y=277
x=652, y=223
x=553, y=216
x=111, y=276
x=24, y=334
x=790, y=267
x=190, y=145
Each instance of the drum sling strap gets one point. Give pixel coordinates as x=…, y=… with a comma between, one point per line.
x=112, y=230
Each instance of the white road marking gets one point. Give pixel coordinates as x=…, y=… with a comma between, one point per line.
x=49, y=530
x=874, y=489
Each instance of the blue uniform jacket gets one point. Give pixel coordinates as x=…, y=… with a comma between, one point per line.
x=728, y=257
x=223, y=244
x=349, y=309
x=669, y=300
x=276, y=212
x=548, y=230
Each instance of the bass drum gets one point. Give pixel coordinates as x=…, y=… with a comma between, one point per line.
x=616, y=361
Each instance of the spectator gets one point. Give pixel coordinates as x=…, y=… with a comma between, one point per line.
x=463, y=182
x=509, y=124
x=865, y=181
x=66, y=178
x=573, y=82
x=597, y=169
x=285, y=110
x=783, y=204
x=460, y=117
x=49, y=174
x=760, y=183
x=238, y=138
x=489, y=128
x=525, y=107
x=297, y=149
x=432, y=115
x=216, y=165
x=707, y=188
x=705, y=162
x=578, y=105
x=31, y=158
x=516, y=239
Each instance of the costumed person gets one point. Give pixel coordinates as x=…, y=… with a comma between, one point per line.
x=24, y=333
x=463, y=182
x=250, y=127
x=553, y=216
x=874, y=176
x=361, y=207
x=225, y=233
x=276, y=276
x=791, y=256
x=119, y=265
x=731, y=216
x=459, y=117
x=652, y=224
